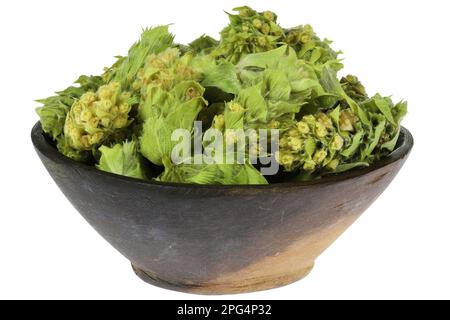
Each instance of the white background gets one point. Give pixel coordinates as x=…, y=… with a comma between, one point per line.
x=398, y=249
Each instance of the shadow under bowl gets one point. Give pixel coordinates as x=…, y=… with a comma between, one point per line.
x=216, y=239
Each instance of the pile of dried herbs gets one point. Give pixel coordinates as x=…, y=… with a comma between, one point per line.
x=258, y=75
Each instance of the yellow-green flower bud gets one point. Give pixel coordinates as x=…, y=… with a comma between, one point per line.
x=293, y=37
x=245, y=12
x=337, y=143
x=320, y=130
x=284, y=142
x=319, y=156
x=269, y=15
x=332, y=165
x=257, y=23
x=325, y=120
x=286, y=160
x=305, y=38
x=276, y=29
x=303, y=127
x=295, y=143
x=234, y=106
x=293, y=132
x=262, y=41
x=309, y=165
x=308, y=28
x=265, y=28
x=346, y=120
x=309, y=119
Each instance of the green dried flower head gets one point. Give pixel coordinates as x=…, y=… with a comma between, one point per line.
x=249, y=32
x=161, y=74
x=97, y=116
x=309, y=46
x=311, y=143
x=54, y=111
x=354, y=88
x=152, y=41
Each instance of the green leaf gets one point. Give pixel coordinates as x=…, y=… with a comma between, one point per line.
x=247, y=174
x=305, y=84
x=254, y=103
x=266, y=59
x=121, y=159
x=310, y=146
x=53, y=116
x=203, y=44
x=334, y=115
x=354, y=146
x=166, y=117
x=375, y=138
x=331, y=83
x=385, y=109
x=348, y=166
x=221, y=75
x=400, y=110
x=234, y=120
x=277, y=109
x=226, y=174
x=390, y=145
x=277, y=85
x=360, y=112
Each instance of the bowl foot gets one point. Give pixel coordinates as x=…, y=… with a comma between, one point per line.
x=215, y=288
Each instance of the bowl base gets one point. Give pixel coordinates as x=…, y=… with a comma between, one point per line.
x=223, y=288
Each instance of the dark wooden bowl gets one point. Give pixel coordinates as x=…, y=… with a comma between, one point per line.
x=214, y=239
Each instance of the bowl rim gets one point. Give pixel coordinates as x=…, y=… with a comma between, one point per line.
x=402, y=150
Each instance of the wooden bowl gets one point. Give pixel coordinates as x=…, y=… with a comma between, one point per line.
x=215, y=239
